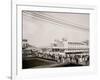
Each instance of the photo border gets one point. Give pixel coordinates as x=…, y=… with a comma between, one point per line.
x=15, y=70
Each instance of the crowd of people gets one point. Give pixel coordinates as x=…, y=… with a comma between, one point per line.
x=63, y=57
x=60, y=57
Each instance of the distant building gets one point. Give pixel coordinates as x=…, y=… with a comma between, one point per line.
x=24, y=43
x=77, y=45
x=64, y=45
x=60, y=43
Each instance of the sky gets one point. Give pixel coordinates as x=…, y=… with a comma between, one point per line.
x=42, y=28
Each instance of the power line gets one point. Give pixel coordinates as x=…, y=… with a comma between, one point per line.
x=35, y=14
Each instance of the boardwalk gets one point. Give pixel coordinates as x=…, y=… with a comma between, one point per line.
x=44, y=63
x=35, y=62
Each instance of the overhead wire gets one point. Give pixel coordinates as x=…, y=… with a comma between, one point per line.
x=45, y=17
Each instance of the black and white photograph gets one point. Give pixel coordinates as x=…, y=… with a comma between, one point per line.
x=55, y=39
